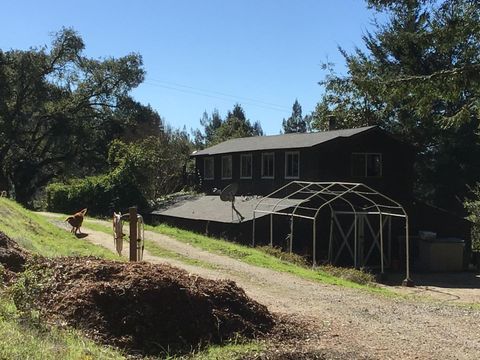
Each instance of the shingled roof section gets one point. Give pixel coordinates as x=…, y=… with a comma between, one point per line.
x=285, y=141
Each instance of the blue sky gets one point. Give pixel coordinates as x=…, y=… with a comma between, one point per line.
x=202, y=55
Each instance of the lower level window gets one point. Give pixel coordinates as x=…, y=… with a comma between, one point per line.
x=292, y=165
x=227, y=167
x=268, y=165
x=367, y=164
x=246, y=166
x=208, y=168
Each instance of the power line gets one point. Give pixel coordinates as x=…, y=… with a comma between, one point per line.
x=214, y=94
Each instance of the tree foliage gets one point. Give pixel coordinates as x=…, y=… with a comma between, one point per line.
x=418, y=78
x=138, y=173
x=216, y=129
x=60, y=109
x=158, y=163
x=296, y=123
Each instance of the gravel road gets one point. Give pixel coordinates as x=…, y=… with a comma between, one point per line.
x=339, y=320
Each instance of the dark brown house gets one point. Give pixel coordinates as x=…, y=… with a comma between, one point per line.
x=262, y=164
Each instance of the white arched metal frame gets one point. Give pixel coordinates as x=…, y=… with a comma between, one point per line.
x=330, y=192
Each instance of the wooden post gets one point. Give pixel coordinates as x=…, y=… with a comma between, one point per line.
x=133, y=233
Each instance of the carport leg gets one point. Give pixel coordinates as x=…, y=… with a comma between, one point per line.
x=291, y=234
x=381, y=243
x=355, y=241
x=330, y=240
x=407, y=281
x=389, y=241
x=314, y=250
x=253, y=230
x=271, y=229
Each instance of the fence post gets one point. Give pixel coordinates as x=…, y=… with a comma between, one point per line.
x=133, y=233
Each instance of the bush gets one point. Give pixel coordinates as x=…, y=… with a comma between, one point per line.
x=357, y=276
x=285, y=256
x=100, y=194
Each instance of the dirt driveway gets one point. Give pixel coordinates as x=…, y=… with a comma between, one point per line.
x=344, y=321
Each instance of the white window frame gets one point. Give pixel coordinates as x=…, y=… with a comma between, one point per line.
x=286, y=164
x=205, y=160
x=246, y=156
x=273, y=168
x=231, y=167
x=365, y=170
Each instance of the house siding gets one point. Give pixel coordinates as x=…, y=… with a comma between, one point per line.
x=331, y=161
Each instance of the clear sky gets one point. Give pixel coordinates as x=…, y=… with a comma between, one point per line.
x=202, y=55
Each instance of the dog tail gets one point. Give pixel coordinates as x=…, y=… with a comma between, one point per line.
x=68, y=218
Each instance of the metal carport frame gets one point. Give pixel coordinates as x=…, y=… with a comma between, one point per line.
x=293, y=200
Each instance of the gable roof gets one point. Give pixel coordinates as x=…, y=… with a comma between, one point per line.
x=284, y=141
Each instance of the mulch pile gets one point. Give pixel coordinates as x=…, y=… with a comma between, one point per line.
x=140, y=307
x=12, y=258
x=146, y=308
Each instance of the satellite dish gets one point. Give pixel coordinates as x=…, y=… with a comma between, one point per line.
x=228, y=193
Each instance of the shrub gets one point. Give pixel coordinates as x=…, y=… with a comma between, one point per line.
x=354, y=275
x=285, y=256
x=100, y=194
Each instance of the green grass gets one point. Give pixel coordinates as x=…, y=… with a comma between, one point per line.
x=257, y=257
x=231, y=351
x=25, y=337
x=28, y=336
x=35, y=233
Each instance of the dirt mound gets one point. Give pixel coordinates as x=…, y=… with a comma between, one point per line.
x=12, y=257
x=145, y=307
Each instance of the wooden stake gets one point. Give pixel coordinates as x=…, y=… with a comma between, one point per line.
x=133, y=233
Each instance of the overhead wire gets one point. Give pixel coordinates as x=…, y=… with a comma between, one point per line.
x=214, y=94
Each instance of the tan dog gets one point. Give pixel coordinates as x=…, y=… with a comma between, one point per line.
x=76, y=221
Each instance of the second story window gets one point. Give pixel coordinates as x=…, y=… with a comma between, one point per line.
x=227, y=167
x=208, y=168
x=246, y=166
x=268, y=165
x=367, y=164
x=292, y=165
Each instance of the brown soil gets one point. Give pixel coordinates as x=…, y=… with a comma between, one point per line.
x=148, y=308
x=140, y=307
x=12, y=257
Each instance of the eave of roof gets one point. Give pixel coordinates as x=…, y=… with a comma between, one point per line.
x=276, y=142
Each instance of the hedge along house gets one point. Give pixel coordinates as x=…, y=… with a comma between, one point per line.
x=262, y=165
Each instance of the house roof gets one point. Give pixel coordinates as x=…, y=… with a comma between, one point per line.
x=212, y=208
x=284, y=141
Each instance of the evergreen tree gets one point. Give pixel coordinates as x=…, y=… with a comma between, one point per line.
x=216, y=130
x=296, y=123
x=419, y=78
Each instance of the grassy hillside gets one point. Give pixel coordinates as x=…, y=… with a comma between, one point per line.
x=35, y=233
x=28, y=336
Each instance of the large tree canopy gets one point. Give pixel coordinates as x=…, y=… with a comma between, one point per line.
x=60, y=109
x=419, y=77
